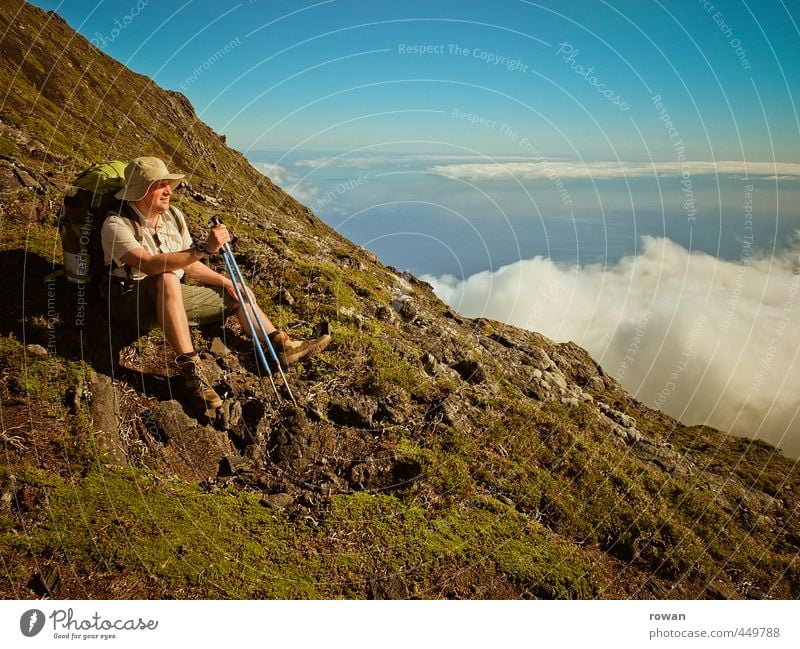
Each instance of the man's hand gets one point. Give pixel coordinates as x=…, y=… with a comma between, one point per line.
x=217, y=237
x=232, y=290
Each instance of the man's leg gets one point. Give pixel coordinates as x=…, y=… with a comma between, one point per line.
x=172, y=317
x=287, y=350
x=171, y=313
x=206, y=305
x=240, y=314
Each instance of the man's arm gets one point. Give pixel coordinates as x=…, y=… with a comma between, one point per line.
x=201, y=273
x=165, y=262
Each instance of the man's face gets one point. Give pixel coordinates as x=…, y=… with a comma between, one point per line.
x=157, y=197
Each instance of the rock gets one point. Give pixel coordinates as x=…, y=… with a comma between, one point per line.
x=28, y=181
x=218, y=348
x=628, y=435
x=8, y=179
x=283, y=297
x=470, y=370
x=385, y=314
x=36, y=351
x=539, y=359
x=616, y=415
x=353, y=410
x=214, y=372
x=405, y=307
x=205, y=198
x=394, y=407
x=229, y=415
x=579, y=367
x=660, y=455
x=233, y=464
x=171, y=420
x=430, y=363
x=353, y=314
x=300, y=443
x=6, y=499
x=277, y=501
x=105, y=412
x=556, y=378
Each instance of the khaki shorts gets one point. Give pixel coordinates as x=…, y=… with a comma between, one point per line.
x=134, y=307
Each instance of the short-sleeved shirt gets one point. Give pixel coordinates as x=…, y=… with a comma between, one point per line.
x=119, y=238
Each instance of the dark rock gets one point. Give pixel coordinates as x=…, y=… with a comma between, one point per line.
x=214, y=372
x=233, y=464
x=430, y=363
x=385, y=314
x=353, y=410
x=45, y=583
x=579, y=367
x=205, y=198
x=405, y=306
x=301, y=443
x=171, y=420
x=229, y=415
x=470, y=370
x=394, y=407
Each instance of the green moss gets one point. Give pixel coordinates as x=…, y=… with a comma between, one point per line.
x=7, y=147
x=401, y=539
x=49, y=379
x=129, y=521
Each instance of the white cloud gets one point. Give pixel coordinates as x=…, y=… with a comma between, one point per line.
x=706, y=340
x=299, y=188
x=564, y=170
x=378, y=160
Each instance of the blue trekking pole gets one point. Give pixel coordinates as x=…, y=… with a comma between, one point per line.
x=244, y=298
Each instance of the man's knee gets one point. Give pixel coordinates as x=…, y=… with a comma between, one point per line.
x=167, y=283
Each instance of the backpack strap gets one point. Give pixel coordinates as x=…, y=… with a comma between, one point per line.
x=173, y=212
x=126, y=211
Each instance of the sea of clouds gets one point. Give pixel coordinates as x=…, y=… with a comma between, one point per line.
x=706, y=340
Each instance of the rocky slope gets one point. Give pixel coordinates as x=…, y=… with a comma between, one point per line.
x=431, y=455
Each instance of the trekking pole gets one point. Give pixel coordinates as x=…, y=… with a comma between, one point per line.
x=256, y=342
x=244, y=298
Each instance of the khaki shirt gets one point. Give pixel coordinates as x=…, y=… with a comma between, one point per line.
x=119, y=238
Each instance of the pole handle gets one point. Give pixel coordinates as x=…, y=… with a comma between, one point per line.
x=215, y=220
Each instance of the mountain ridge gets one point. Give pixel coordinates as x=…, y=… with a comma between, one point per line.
x=433, y=455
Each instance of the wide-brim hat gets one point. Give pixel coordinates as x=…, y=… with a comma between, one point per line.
x=141, y=174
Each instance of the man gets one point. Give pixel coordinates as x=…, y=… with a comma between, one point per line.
x=149, y=249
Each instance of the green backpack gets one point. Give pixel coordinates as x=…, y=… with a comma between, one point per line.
x=83, y=210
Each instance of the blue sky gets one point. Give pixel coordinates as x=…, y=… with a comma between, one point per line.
x=349, y=73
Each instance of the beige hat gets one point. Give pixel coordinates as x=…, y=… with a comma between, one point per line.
x=143, y=172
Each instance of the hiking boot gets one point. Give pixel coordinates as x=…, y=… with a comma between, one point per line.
x=291, y=351
x=196, y=384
